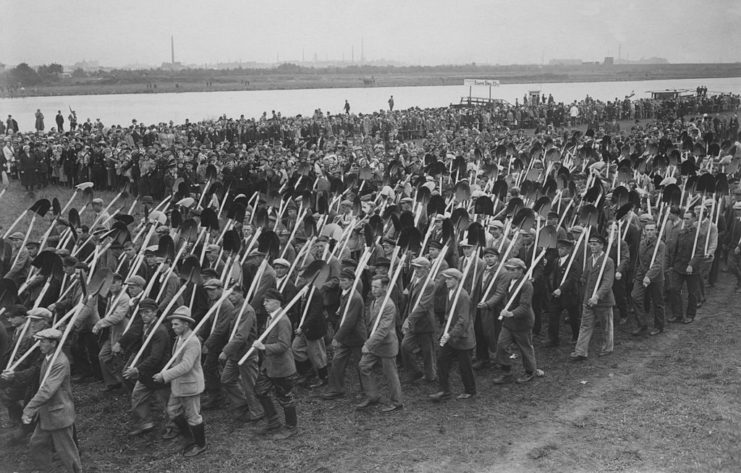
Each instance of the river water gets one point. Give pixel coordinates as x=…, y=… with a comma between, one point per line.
x=155, y=108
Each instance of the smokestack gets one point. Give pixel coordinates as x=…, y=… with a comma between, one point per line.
x=172, y=49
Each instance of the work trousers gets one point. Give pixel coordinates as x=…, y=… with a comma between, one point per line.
x=655, y=295
x=141, y=401
x=674, y=292
x=312, y=350
x=523, y=339
x=85, y=354
x=342, y=356
x=187, y=406
x=590, y=317
x=238, y=382
x=388, y=364
x=734, y=266
x=283, y=388
x=445, y=358
x=554, y=309
x=105, y=357
x=487, y=327
x=211, y=374
x=620, y=292
x=64, y=445
x=424, y=344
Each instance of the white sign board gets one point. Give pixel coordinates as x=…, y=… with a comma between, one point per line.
x=484, y=82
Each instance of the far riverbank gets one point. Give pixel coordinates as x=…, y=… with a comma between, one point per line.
x=283, y=78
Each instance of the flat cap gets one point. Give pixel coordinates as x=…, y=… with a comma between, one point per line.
x=39, y=313
x=281, y=262
x=452, y=273
x=515, y=263
x=48, y=334
x=273, y=294
x=383, y=262
x=148, y=303
x=136, y=281
x=491, y=251
x=213, y=284
x=421, y=262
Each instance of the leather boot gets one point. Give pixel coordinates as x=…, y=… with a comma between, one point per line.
x=270, y=415
x=290, y=429
x=323, y=379
x=215, y=401
x=199, y=441
x=15, y=413
x=183, y=429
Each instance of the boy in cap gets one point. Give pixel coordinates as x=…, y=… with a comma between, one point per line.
x=419, y=324
x=309, y=349
x=382, y=346
x=84, y=344
x=563, y=293
x=458, y=342
x=596, y=306
x=350, y=336
x=487, y=325
x=54, y=406
x=286, y=287
x=277, y=371
x=238, y=381
x=14, y=385
x=218, y=337
x=186, y=382
x=115, y=320
x=517, y=323
x=153, y=359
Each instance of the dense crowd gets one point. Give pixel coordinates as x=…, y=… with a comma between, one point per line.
x=277, y=252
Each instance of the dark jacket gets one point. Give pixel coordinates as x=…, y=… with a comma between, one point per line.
x=521, y=307
x=352, y=332
x=315, y=324
x=461, y=325
x=155, y=356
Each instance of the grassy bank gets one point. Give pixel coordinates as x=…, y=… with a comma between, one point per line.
x=157, y=81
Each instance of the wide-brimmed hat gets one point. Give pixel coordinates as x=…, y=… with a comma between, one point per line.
x=182, y=313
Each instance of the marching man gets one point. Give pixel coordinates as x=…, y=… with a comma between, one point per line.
x=53, y=404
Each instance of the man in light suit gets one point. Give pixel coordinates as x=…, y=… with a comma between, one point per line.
x=53, y=404
x=597, y=305
x=381, y=347
x=419, y=326
x=186, y=382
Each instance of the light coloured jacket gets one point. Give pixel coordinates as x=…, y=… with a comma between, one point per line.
x=53, y=401
x=117, y=318
x=186, y=375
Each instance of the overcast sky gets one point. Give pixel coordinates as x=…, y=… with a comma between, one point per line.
x=119, y=33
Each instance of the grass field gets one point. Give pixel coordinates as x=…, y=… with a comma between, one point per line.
x=661, y=404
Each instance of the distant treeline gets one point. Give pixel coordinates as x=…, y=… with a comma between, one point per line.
x=52, y=79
